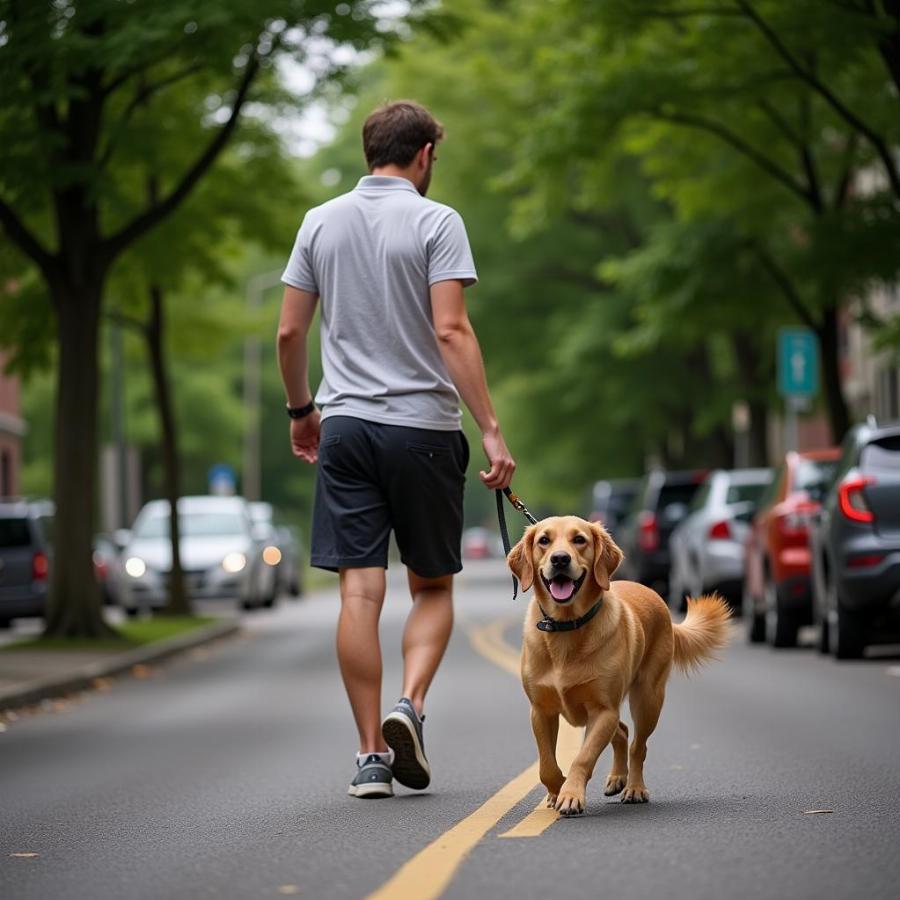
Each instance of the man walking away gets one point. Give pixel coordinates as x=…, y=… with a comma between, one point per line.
x=398, y=352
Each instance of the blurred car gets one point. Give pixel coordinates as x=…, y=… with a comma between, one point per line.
x=25, y=557
x=107, y=567
x=856, y=545
x=479, y=543
x=660, y=504
x=275, y=549
x=611, y=500
x=219, y=555
x=777, y=575
x=707, y=548
x=290, y=570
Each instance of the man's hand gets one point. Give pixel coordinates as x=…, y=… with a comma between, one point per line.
x=305, y=437
x=502, y=464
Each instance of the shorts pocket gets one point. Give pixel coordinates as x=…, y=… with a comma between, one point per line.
x=429, y=450
x=330, y=440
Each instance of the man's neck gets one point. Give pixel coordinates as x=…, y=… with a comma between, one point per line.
x=395, y=172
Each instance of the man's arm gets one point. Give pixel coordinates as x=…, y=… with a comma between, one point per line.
x=462, y=356
x=297, y=311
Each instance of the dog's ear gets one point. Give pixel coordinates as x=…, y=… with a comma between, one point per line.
x=607, y=556
x=520, y=561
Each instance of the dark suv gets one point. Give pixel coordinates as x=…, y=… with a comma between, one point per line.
x=856, y=545
x=25, y=533
x=661, y=502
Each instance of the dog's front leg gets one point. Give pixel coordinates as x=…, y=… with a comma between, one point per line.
x=546, y=729
x=600, y=730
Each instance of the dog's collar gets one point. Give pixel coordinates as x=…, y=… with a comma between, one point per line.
x=548, y=623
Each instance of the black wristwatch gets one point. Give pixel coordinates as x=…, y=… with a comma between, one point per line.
x=301, y=412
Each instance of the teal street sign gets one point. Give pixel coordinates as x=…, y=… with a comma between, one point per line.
x=798, y=362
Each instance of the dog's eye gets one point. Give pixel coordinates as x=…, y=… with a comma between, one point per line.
x=579, y=539
x=544, y=540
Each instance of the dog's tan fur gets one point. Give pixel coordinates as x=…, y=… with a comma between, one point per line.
x=584, y=675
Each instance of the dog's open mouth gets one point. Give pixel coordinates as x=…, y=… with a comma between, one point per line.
x=561, y=587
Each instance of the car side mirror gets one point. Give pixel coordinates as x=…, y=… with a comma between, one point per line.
x=121, y=537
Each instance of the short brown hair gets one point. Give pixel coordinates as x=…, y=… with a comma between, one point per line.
x=395, y=132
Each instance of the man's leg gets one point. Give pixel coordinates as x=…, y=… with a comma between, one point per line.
x=426, y=634
x=359, y=651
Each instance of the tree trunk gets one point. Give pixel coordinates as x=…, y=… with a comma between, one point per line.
x=74, y=607
x=836, y=405
x=755, y=373
x=179, y=603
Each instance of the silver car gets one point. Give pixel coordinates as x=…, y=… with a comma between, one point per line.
x=708, y=546
x=219, y=555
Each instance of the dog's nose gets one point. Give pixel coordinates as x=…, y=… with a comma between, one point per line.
x=560, y=560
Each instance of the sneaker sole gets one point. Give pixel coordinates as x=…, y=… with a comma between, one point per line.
x=410, y=767
x=370, y=791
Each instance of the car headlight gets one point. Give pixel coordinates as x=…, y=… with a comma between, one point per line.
x=234, y=562
x=271, y=556
x=135, y=567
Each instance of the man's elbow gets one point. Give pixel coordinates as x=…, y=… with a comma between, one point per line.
x=449, y=333
x=288, y=335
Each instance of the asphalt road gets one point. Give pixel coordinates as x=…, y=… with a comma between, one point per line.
x=224, y=774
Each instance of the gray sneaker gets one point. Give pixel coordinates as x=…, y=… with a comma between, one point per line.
x=373, y=778
x=402, y=730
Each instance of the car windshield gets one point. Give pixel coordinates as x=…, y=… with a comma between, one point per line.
x=744, y=493
x=677, y=493
x=813, y=474
x=199, y=524
x=883, y=454
x=14, y=533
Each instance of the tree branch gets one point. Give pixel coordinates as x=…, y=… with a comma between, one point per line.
x=126, y=321
x=881, y=148
x=155, y=213
x=26, y=241
x=842, y=190
x=141, y=97
x=782, y=279
x=770, y=167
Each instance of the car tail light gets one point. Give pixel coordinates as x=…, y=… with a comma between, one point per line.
x=864, y=560
x=40, y=566
x=852, y=502
x=648, y=532
x=720, y=531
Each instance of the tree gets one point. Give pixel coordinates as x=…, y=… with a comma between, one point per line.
x=72, y=77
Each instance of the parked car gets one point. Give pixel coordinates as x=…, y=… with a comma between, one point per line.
x=290, y=569
x=856, y=545
x=107, y=567
x=219, y=555
x=707, y=548
x=611, y=500
x=479, y=543
x=25, y=558
x=777, y=575
x=660, y=504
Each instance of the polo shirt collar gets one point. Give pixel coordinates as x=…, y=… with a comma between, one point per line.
x=385, y=183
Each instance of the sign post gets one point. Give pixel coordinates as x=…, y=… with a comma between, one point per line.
x=798, y=376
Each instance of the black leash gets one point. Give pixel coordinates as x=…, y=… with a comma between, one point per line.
x=501, y=517
x=548, y=623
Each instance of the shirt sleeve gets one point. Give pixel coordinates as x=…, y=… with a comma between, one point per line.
x=299, y=270
x=450, y=256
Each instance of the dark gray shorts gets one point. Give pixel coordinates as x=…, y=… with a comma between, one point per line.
x=372, y=478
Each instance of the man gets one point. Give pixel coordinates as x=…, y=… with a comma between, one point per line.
x=398, y=351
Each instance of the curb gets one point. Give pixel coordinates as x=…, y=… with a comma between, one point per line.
x=83, y=677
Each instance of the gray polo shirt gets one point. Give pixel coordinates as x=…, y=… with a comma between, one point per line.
x=371, y=255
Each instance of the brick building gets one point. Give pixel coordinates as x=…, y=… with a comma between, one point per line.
x=12, y=429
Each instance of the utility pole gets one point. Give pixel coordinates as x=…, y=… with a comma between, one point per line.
x=251, y=477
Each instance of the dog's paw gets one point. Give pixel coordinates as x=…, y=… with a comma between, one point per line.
x=615, y=784
x=551, y=801
x=570, y=801
x=636, y=794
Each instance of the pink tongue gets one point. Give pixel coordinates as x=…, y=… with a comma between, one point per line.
x=562, y=590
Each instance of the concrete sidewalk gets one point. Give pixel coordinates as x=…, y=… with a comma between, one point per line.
x=30, y=676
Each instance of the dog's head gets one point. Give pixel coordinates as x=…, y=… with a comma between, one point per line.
x=560, y=555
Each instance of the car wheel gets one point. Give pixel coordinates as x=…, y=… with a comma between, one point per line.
x=294, y=588
x=132, y=612
x=847, y=636
x=755, y=620
x=780, y=623
x=5, y=623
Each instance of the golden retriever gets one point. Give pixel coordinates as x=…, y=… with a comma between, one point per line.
x=588, y=643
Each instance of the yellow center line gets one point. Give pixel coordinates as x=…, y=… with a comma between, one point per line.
x=427, y=874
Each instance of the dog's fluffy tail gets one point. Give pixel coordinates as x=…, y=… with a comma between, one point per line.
x=704, y=631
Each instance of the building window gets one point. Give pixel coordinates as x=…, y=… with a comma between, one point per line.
x=5, y=473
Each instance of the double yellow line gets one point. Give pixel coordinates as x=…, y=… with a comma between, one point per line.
x=427, y=874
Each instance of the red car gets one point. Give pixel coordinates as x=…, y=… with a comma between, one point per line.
x=777, y=573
